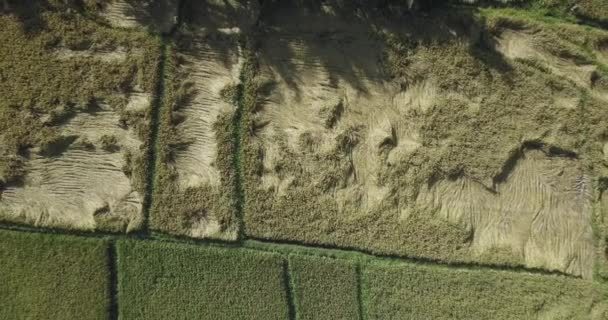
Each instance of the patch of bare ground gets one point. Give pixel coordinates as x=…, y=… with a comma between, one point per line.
x=381, y=137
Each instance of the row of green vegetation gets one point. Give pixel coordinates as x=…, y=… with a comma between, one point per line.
x=593, y=12
x=584, y=11
x=55, y=276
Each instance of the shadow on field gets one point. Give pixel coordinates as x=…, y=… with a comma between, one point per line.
x=30, y=12
x=345, y=39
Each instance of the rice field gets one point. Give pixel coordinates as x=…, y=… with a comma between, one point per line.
x=427, y=292
x=455, y=146
x=250, y=159
x=158, y=280
x=47, y=276
x=324, y=288
x=74, y=118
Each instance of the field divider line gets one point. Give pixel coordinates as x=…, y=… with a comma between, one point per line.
x=288, y=247
x=368, y=256
x=245, y=78
x=289, y=288
x=359, y=290
x=112, y=281
x=153, y=148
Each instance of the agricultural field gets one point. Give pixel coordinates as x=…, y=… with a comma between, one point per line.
x=195, y=190
x=53, y=277
x=324, y=288
x=392, y=291
x=175, y=281
x=463, y=136
x=74, y=118
x=304, y=159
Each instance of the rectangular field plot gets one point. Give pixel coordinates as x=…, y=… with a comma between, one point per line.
x=195, y=194
x=352, y=140
x=53, y=277
x=324, y=288
x=174, y=281
x=426, y=292
x=76, y=98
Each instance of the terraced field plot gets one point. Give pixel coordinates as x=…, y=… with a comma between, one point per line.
x=360, y=122
x=53, y=277
x=74, y=121
x=163, y=280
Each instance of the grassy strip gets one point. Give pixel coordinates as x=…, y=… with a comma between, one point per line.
x=276, y=247
x=237, y=134
x=163, y=280
x=361, y=256
x=153, y=142
x=588, y=12
x=288, y=283
x=393, y=291
x=53, y=277
x=594, y=12
x=112, y=281
x=324, y=288
x=189, y=211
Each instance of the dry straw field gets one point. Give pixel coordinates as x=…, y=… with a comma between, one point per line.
x=304, y=159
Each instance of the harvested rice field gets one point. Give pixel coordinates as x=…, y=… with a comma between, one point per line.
x=76, y=98
x=478, y=138
x=304, y=159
